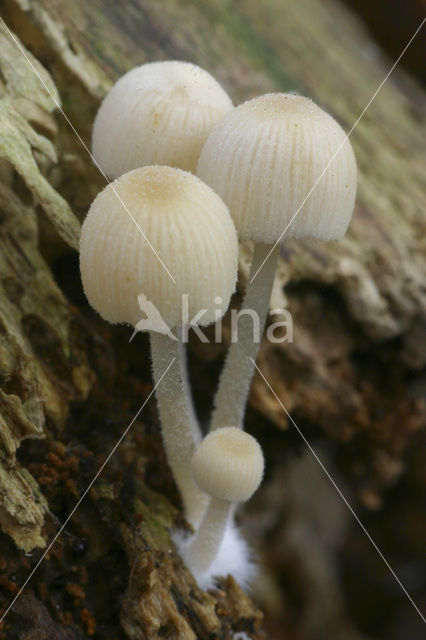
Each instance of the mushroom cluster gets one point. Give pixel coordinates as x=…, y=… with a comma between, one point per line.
x=192, y=175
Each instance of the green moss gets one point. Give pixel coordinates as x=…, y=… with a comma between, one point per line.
x=224, y=15
x=156, y=519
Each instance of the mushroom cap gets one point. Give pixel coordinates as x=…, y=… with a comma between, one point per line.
x=158, y=113
x=265, y=156
x=189, y=227
x=228, y=464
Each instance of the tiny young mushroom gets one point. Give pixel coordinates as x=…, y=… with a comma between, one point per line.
x=285, y=168
x=228, y=466
x=158, y=113
x=191, y=230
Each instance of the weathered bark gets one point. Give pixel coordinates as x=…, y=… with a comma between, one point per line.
x=74, y=384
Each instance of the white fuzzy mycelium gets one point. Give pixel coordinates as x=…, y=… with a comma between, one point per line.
x=233, y=557
x=158, y=113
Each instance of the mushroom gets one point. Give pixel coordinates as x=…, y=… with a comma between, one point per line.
x=158, y=113
x=190, y=230
x=227, y=466
x=285, y=168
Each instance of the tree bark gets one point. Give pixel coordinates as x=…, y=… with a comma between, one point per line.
x=70, y=385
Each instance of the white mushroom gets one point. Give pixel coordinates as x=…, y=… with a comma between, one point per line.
x=228, y=466
x=158, y=113
x=189, y=227
x=285, y=169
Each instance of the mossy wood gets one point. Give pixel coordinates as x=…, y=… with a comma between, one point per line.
x=74, y=383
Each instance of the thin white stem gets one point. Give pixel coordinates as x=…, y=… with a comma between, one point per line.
x=176, y=424
x=234, y=384
x=205, y=546
x=183, y=364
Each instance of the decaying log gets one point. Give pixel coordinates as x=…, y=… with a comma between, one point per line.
x=70, y=384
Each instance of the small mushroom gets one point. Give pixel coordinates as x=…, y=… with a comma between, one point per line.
x=158, y=113
x=148, y=214
x=285, y=168
x=228, y=466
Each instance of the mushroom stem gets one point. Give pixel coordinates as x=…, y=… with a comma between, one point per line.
x=205, y=546
x=176, y=423
x=184, y=372
x=234, y=384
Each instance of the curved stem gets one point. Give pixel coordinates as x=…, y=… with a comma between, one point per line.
x=234, y=384
x=205, y=546
x=176, y=423
x=184, y=373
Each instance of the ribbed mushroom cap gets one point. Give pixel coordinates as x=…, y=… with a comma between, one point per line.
x=186, y=223
x=228, y=464
x=265, y=156
x=158, y=113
